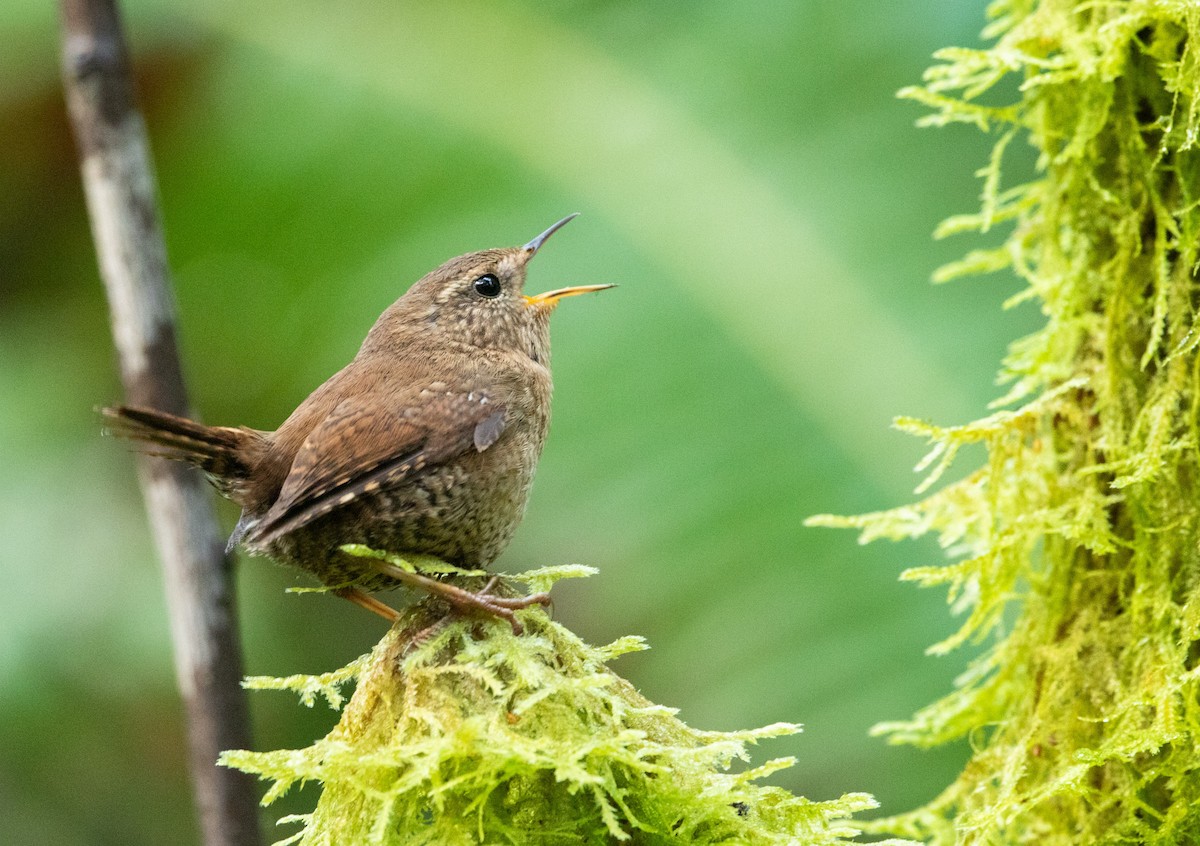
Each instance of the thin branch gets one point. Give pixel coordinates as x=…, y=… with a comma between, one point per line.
x=119, y=184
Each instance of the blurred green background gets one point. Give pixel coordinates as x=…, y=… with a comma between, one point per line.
x=745, y=174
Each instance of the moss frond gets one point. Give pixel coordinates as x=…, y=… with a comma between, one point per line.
x=460, y=732
x=1076, y=546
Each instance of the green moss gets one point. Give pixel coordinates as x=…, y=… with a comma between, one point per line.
x=464, y=733
x=1076, y=546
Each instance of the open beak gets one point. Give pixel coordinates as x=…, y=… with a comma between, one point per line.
x=536, y=244
x=551, y=298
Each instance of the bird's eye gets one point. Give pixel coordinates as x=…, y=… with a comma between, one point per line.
x=487, y=285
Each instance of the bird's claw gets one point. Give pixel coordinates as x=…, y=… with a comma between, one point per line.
x=460, y=599
x=500, y=606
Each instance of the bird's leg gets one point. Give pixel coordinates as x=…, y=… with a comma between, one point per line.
x=365, y=600
x=497, y=606
x=369, y=602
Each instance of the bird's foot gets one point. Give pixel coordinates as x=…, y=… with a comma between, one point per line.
x=460, y=599
x=542, y=599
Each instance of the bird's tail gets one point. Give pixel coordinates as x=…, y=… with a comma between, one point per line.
x=226, y=454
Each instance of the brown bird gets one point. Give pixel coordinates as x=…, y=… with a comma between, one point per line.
x=425, y=444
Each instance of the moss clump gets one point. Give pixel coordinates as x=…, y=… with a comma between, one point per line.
x=465, y=733
x=1076, y=546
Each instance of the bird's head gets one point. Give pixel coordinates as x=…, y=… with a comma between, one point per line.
x=478, y=299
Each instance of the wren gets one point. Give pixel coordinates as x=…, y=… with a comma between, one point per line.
x=424, y=445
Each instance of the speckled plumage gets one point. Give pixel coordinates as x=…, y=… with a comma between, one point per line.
x=426, y=443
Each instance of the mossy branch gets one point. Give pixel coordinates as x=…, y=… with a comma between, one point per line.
x=461, y=732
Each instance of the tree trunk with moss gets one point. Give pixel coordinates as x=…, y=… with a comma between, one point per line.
x=1077, y=545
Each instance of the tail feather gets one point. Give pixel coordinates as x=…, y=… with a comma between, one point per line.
x=227, y=455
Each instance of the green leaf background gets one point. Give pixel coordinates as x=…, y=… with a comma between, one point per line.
x=745, y=175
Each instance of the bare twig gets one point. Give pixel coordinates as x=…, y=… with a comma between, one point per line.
x=119, y=184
